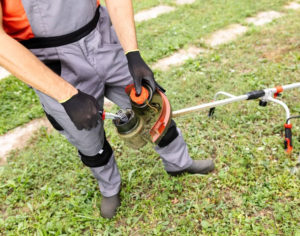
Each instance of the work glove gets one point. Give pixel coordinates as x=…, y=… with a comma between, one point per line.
x=83, y=110
x=140, y=72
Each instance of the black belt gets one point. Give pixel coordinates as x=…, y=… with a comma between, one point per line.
x=49, y=42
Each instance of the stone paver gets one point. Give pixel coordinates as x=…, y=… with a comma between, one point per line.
x=107, y=103
x=225, y=35
x=178, y=58
x=3, y=73
x=183, y=2
x=17, y=138
x=293, y=6
x=152, y=13
x=263, y=18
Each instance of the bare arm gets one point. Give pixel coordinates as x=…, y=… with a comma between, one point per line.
x=25, y=66
x=121, y=14
x=122, y=17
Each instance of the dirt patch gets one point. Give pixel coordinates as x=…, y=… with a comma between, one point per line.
x=263, y=18
x=19, y=137
x=3, y=213
x=279, y=52
x=226, y=35
x=3, y=73
x=152, y=13
x=182, y=2
x=266, y=212
x=293, y=6
x=178, y=58
x=108, y=104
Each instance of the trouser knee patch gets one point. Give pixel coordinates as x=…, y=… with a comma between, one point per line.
x=101, y=159
x=171, y=134
x=54, y=123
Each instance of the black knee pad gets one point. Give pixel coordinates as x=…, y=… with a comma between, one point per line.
x=171, y=134
x=54, y=123
x=99, y=159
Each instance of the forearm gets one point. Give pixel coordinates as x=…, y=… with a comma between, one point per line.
x=26, y=67
x=122, y=17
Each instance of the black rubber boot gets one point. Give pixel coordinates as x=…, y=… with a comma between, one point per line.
x=197, y=167
x=109, y=206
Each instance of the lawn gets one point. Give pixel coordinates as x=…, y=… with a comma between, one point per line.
x=46, y=190
x=18, y=104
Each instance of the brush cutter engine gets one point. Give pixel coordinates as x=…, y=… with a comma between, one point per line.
x=148, y=120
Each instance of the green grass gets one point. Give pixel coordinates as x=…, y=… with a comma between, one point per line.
x=162, y=36
x=18, y=104
x=45, y=190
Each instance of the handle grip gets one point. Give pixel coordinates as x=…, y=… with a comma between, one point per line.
x=288, y=141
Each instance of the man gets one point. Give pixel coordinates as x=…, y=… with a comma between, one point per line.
x=76, y=40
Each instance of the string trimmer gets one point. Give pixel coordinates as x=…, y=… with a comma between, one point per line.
x=264, y=96
x=151, y=113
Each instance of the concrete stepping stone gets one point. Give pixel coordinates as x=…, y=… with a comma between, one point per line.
x=293, y=6
x=226, y=35
x=107, y=103
x=152, y=13
x=18, y=137
x=3, y=73
x=178, y=58
x=183, y=2
x=263, y=18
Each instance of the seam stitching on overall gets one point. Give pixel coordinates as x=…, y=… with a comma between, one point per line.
x=43, y=25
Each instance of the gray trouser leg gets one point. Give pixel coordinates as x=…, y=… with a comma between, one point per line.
x=92, y=64
x=88, y=142
x=175, y=156
x=108, y=178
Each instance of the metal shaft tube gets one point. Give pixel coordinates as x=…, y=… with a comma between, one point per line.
x=232, y=99
x=284, y=87
x=209, y=105
x=291, y=86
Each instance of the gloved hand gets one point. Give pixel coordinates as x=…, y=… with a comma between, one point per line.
x=140, y=72
x=83, y=110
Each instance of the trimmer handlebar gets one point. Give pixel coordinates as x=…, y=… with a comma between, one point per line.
x=288, y=142
x=264, y=95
